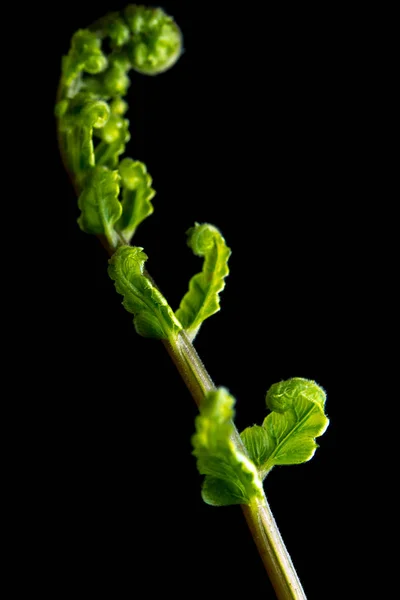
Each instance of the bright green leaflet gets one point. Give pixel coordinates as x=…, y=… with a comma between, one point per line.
x=85, y=55
x=202, y=299
x=287, y=435
x=152, y=315
x=86, y=115
x=156, y=42
x=136, y=196
x=231, y=478
x=99, y=204
x=114, y=135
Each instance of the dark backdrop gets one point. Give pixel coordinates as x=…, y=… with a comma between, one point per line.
x=252, y=130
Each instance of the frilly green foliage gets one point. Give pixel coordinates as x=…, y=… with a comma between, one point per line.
x=286, y=437
x=114, y=135
x=136, y=195
x=85, y=55
x=99, y=204
x=288, y=433
x=114, y=27
x=231, y=478
x=86, y=114
x=156, y=39
x=153, y=317
x=93, y=131
x=202, y=299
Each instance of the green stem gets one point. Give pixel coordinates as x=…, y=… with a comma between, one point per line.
x=194, y=374
x=190, y=367
x=272, y=550
x=260, y=520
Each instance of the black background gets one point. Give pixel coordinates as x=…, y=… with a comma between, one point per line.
x=253, y=130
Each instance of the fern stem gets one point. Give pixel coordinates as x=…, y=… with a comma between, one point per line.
x=272, y=550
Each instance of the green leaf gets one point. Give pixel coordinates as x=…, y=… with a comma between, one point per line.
x=288, y=433
x=85, y=55
x=113, y=26
x=95, y=114
x=136, y=196
x=118, y=32
x=112, y=82
x=258, y=444
x=220, y=492
x=231, y=478
x=152, y=315
x=156, y=39
x=115, y=81
x=99, y=204
x=80, y=117
x=118, y=106
x=114, y=135
x=202, y=299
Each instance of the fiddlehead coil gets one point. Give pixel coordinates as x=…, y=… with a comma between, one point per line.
x=92, y=128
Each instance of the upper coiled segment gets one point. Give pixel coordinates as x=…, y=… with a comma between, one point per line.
x=90, y=109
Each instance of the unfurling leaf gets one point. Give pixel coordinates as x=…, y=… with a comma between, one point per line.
x=89, y=99
x=113, y=26
x=114, y=135
x=136, y=196
x=231, y=478
x=99, y=204
x=202, y=299
x=156, y=39
x=85, y=55
x=152, y=315
x=288, y=433
x=81, y=116
x=258, y=444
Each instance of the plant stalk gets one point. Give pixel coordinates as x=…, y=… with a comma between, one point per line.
x=272, y=550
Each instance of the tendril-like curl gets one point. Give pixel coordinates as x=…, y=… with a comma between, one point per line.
x=90, y=107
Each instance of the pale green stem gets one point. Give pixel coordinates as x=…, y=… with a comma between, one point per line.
x=194, y=374
x=272, y=550
x=189, y=365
